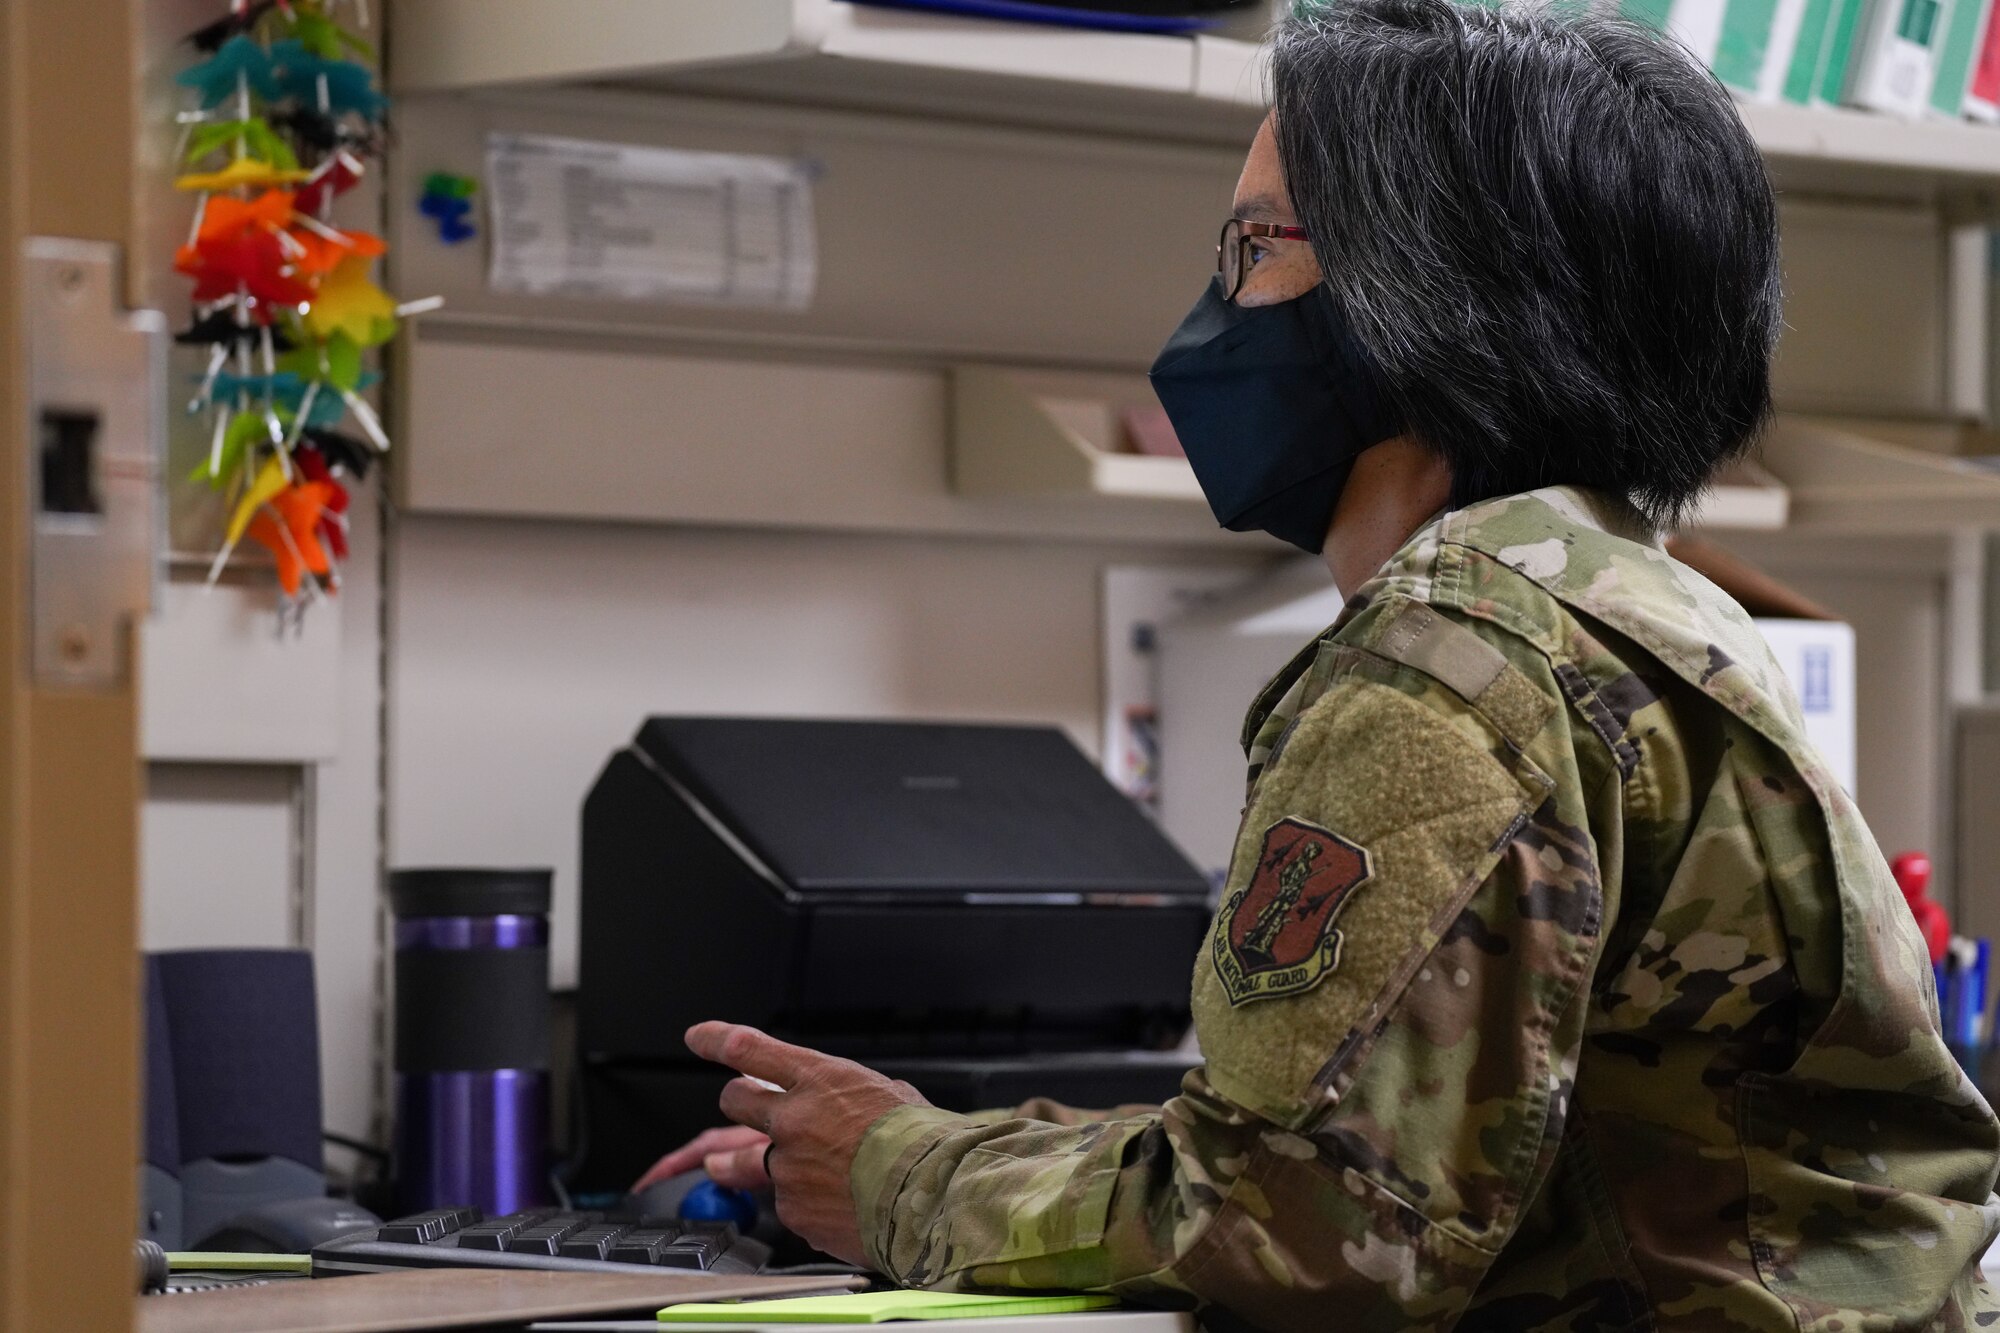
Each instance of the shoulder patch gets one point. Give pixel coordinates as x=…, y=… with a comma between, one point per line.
x=1277, y=935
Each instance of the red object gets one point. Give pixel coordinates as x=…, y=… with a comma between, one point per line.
x=339, y=174
x=1148, y=431
x=1913, y=876
x=250, y=260
x=1986, y=74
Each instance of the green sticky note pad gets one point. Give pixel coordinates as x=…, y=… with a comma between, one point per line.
x=225, y=1261
x=879, y=1307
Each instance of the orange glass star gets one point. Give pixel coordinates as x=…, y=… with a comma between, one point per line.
x=287, y=526
x=322, y=254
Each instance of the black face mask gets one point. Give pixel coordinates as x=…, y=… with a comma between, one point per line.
x=1272, y=405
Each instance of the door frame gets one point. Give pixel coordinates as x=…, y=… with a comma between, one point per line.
x=70, y=777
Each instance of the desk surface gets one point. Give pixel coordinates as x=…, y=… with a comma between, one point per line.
x=429, y=1298
x=1107, y=1321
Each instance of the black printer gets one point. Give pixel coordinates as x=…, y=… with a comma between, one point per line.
x=972, y=908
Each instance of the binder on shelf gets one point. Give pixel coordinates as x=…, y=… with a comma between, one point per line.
x=1951, y=78
x=1756, y=59
x=1893, y=53
x=1982, y=98
x=1734, y=38
x=1802, y=63
x=1836, y=56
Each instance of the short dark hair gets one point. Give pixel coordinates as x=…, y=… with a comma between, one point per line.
x=1551, y=230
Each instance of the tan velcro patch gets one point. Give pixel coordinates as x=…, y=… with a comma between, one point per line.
x=1468, y=665
x=1429, y=809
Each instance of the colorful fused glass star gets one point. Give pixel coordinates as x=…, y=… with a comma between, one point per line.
x=249, y=172
x=329, y=85
x=337, y=361
x=210, y=37
x=252, y=137
x=269, y=481
x=320, y=254
x=287, y=525
x=309, y=127
x=322, y=37
x=249, y=262
x=226, y=216
x=337, y=175
x=237, y=64
x=227, y=457
x=347, y=302
x=345, y=452
x=282, y=385
x=219, y=328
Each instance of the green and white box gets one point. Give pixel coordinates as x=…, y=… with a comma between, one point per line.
x=1895, y=54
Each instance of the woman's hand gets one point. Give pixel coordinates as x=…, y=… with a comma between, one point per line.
x=733, y=1156
x=812, y=1111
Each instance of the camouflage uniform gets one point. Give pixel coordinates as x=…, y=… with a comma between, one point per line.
x=1594, y=1006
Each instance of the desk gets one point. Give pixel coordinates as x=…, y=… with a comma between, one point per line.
x=1110, y=1321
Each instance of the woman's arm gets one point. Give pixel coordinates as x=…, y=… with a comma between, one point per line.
x=1371, y=1120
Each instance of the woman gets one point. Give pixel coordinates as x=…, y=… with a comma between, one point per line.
x=1556, y=984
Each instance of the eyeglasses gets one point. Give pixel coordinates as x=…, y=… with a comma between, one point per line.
x=1233, y=256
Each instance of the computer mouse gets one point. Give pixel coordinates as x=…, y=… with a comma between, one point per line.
x=290, y=1226
x=693, y=1197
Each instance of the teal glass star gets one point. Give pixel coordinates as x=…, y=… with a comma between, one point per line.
x=238, y=61
x=349, y=86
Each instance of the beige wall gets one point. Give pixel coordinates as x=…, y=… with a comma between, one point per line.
x=523, y=654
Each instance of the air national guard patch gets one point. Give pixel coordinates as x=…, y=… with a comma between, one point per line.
x=1276, y=934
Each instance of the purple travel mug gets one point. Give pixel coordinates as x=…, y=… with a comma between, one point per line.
x=472, y=1038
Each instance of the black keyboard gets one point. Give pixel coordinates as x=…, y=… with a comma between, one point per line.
x=543, y=1238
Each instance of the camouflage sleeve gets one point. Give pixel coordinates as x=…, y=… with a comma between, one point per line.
x=1390, y=1002
x=1051, y=1112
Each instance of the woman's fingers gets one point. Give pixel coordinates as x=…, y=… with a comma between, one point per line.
x=750, y=1102
x=693, y=1153
x=742, y=1169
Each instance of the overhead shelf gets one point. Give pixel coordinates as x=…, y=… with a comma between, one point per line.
x=1838, y=151
x=1059, y=436
x=1841, y=482
x=1745, y=497
x=1208, y=88
x=1054, y=436
x=833, y=53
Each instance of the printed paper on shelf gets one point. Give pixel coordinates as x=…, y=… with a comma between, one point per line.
x=574, y=217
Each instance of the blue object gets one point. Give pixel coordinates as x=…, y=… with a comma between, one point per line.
x=450, y=213
x=1055, y=16
x=710, y=1202
x=1962, y=1001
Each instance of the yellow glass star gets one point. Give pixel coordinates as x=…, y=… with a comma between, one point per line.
x=270, y=480
x=347, y=302
x=243, y=171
